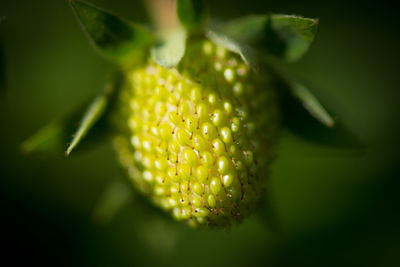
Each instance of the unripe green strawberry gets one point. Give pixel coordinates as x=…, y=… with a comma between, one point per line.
x=198, y=139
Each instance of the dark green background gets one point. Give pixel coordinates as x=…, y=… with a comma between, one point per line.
x=333, y=207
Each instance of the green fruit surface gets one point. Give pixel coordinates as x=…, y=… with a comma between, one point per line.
x=198, y=139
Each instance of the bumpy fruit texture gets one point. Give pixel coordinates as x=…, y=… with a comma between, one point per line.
x=198, y=139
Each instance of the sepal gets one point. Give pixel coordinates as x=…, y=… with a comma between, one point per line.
x=191, y=14
x=285, y=36
x=115, y=38
x=307, y=117
x=86, y=125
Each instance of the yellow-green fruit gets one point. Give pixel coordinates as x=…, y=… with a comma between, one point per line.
x=198, y=139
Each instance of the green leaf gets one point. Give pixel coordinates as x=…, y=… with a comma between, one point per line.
x=91, y=116
x=56, y=135
x=311, y=104
x=191, y=13
x=290, y=87
x=97, y=109
x=245, y=52
x=169, y=51
x=285, y=36
x=290, y=36
x=305, y=116
x=114, y=37
x=299, y=121
x=249, y=29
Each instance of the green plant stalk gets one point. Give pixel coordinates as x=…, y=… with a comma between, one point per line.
x=162, y=13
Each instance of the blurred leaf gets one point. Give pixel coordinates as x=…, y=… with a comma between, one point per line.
x=92, y=115
x=249, y=29
x=55, y=136
x=290, y=36
x=52, y=137
x=171, y=48
x=245, y=52
x=301, y=122
x=114, y=37
x=191, y=13
x=306, y=116
x=311, y=104
x=115, y=195
x=97, y=110
x=285, y=36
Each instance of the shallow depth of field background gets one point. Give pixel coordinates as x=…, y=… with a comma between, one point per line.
x=333, y=207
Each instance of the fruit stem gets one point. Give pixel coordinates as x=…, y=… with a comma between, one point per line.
x=162, y=13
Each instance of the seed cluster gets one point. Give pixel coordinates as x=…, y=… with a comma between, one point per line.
x=199, y=137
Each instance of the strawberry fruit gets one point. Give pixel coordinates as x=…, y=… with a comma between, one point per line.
x=200, y=136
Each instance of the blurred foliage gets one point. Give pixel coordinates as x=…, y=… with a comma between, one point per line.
x=191, y=13
x=114, y=37
x=331, y=206
x=285, y=36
